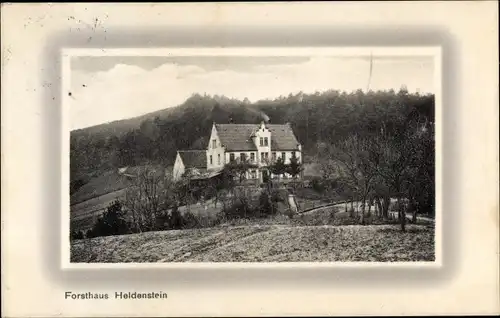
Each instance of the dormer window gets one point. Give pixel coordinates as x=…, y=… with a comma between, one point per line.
x=261, y=141
x=266, y=142
x=214, y=143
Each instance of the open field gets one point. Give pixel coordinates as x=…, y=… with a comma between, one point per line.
x=324, y=234
x=107, y=182
x=263, y=243
x=84, y=214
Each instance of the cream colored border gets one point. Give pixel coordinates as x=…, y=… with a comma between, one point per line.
x=33, y=284
x=67, y=54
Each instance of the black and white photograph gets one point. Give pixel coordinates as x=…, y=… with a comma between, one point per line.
x=250, y=159
x=268, y=157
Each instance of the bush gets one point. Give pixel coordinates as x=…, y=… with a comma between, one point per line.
x=238, y=210
x=279, y=195
x=268, y=203
x=189, y=221
x=162, y=221
x=76, y=235
x=242, y=206
x=175, y=220
x=112, y=222
x=318, y=185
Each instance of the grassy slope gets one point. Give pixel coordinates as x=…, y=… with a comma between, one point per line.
x=105, y=183
x=269, y=243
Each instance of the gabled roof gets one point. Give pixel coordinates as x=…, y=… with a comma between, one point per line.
x=282, y=137
x=194, y=158
x=238, y=137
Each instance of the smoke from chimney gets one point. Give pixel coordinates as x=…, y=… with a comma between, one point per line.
x=265, y=117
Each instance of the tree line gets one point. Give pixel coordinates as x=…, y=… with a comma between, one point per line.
x=394, y=161
x=317, y=120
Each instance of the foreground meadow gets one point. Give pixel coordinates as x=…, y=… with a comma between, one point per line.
x=263, y=243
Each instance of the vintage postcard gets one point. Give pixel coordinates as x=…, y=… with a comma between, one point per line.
x=312, y=156
x=250, y=159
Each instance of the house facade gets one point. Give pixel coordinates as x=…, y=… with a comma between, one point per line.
x=259, y=145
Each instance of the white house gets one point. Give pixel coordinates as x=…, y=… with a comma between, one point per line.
x=260, y=144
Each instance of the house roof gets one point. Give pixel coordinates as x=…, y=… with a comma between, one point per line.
x=202, y=175
x=194, y=158
x=238, y=136
x=283, y=138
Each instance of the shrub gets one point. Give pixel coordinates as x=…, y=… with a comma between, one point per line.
x=279, y=195
x=76, y=235
x=317, y=185
x=242, y=206
x=175, y=220
x=112, y=222
x=239, y=209
x=162, y=221
x=189, y=221
x=268, y=203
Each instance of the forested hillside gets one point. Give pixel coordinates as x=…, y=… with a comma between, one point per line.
x=317, y=119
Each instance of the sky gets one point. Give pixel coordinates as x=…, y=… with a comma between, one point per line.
x=109, y=88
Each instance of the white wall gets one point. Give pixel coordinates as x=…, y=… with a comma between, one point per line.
x=237, y=155
x=263, y=132
x=215, y=152
x=288, y=155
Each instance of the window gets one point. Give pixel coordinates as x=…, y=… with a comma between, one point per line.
x=242, y=157
x=218, y=159
x=252, y=157
x=283, y=156
x=266, y=142
x=254, y=174
x=293, y=154
x=264, y=156
x=214, y=143
x=231, y=157
x=274, y=156
x=211, y=159
x=261, y=141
